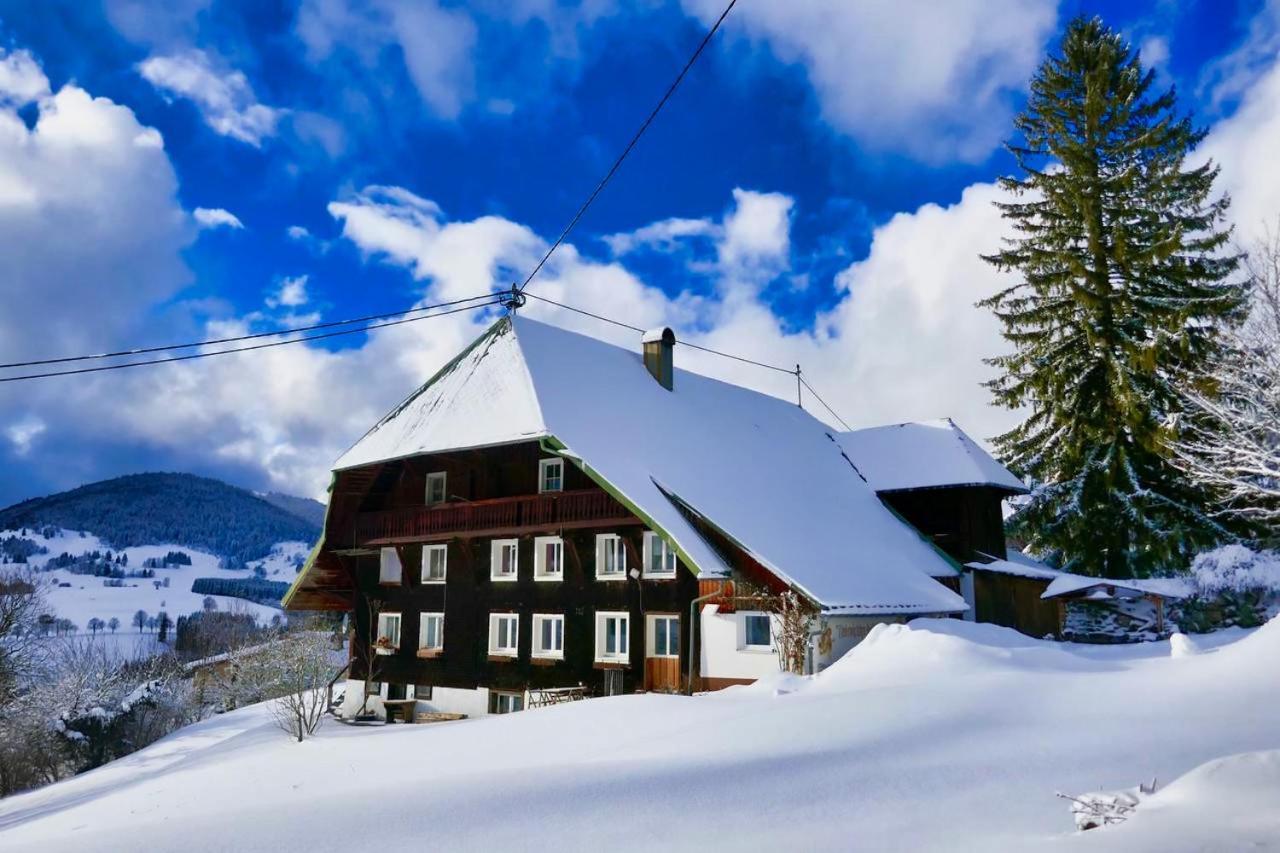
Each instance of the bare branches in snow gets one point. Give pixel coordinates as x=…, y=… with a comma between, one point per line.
x=1230, y=439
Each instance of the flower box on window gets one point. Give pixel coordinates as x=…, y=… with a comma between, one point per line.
x=384, y=646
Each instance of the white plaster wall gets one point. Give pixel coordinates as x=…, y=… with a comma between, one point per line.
x=846, y=632
x=453, y=700
x=722, y=654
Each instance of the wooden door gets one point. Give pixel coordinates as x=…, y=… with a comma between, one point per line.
x=662, y=653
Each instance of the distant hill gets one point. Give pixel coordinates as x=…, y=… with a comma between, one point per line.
x=179, y=509
x=304, y=508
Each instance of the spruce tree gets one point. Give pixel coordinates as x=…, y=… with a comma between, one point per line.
x=1125, y=277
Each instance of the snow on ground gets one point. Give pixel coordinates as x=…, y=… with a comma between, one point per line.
x=87, y=597
x=932, y=736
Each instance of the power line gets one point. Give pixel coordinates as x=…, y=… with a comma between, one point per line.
x=632, y=144
x=824, y=403
x=304, y=339
x=213, y=341
x=796, y=373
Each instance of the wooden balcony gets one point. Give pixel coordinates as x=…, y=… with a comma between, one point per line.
x=497, y=517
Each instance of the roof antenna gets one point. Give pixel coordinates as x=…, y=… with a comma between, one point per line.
x=799, y=399
x=512, y=299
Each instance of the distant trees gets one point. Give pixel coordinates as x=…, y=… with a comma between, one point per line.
x=140, y=620
x=210, y=604
x=214, y=632
x=250, y=589
x=113, y=623
x=96, y=625
x=144, y=509
x=163, y=624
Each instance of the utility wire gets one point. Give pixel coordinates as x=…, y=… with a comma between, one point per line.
x=212, y=341
x=796, y=373
x=706, y=39
x=824, y=403
x=303, y=339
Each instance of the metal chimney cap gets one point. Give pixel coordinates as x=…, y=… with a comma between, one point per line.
x=660, y=334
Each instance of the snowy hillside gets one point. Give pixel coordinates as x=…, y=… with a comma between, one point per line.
x=934, y=736
x=82, y=597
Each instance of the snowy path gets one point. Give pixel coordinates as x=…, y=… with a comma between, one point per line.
x=938, y=736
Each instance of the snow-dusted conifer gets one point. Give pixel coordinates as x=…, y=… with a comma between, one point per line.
x=1125, y=279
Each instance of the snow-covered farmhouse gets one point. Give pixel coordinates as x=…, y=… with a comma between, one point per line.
x=552, y=515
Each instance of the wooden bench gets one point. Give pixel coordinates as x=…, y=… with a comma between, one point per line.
x=401, y=709
x=556, y=696
x=437, y=717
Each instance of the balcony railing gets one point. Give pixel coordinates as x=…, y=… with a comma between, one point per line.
x=553, y=510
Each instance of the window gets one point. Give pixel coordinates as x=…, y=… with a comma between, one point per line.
x=504, y=634
x=757, y=631
x=504, y=559
x=551, y=475
x=431, y=632
x=611, y=556
x=505, y=703
x=435, y=562
x=437, y=488
x=388, y=639
x=422, y=692
x=659, y=556
x=389, y=570
x=664, y=637
x=612, y=631
x=548, y=636
x=548, y=558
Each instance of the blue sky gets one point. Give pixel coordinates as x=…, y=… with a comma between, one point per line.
x=817, y=191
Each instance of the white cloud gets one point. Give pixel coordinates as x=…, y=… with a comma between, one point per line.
x=292, y=293
x=23, y=432
x=1154, y=51
x=434, y=42
x=216, y=217
x=1231, y=76
x=21, y=80
x=931, y=80
x=225, y=98
x=665, y=235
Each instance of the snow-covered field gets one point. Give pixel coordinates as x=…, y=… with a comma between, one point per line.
x=933, y=736
x=86, y=597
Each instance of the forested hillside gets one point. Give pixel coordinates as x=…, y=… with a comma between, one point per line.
x=305, y=508
x=177, y=509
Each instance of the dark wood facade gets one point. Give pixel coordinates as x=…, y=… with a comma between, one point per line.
x=492, y=494
x=965, y=521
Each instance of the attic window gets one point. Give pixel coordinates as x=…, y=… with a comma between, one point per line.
x=437, y=492
x=659, y=557
x=389, y=570
x=551, y=475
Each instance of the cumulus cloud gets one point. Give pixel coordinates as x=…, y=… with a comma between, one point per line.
x=435, y=43
x=931, y=80
x=21, y=80
x=224, y=97
x=292, y=293
x=216, y=217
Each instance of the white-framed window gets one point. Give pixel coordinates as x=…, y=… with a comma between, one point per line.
x=548, y=635
x=389, y=568
x=504, y=559
x=551, y=475
x=757, y=631
x=664, y=636
x=548, y=558
x=505, y=703
x=435, y=563
x=613, y=632
x=437, y=487
x=431, y=632
x=504, y=634
x=388, y=639
x=611, y=557
x=659, y=556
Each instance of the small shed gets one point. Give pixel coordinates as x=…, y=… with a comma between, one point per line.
x=1028, y=596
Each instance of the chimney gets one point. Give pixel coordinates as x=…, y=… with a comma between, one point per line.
x=658, y=345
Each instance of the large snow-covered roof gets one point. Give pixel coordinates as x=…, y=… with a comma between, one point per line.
x=762, y=470
x=483, y=397
x=924, y=455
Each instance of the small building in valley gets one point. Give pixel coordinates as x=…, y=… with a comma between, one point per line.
x=551, y=513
